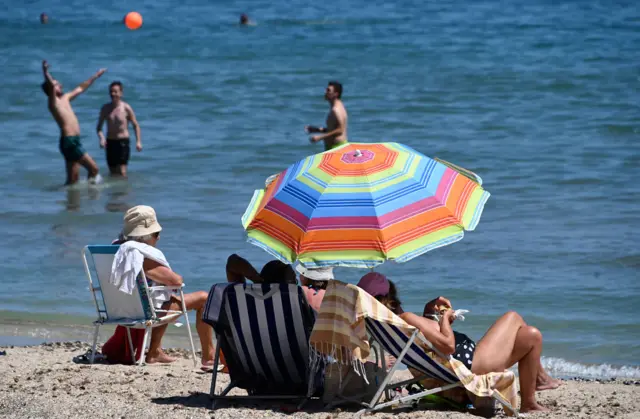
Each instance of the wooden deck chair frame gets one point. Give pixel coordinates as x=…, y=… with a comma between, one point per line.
x=373, y=405
x=139, y=312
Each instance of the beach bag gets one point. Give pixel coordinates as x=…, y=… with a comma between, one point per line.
x=116, y=349
x=356, y=388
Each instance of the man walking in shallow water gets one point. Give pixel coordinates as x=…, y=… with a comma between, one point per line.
x=335, y=133
x=61, y=110
x=118, y=115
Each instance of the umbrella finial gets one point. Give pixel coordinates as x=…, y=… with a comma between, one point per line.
x=357, y=153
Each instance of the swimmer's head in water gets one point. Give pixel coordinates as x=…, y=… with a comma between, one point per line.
x=334, y=91
x=115, y=91
x=44, y=19
x=47, y=88
x=244, y=19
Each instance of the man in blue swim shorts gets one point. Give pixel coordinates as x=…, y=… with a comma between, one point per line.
x=61, y=110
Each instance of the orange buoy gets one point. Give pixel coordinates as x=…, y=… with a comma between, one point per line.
x=133, y=20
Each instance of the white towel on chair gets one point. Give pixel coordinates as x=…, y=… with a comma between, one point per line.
x=127, y=265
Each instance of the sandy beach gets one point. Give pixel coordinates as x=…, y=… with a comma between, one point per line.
x=43, y=381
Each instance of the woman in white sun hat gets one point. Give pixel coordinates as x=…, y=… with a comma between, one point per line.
x=314, y=282
x=141, y=225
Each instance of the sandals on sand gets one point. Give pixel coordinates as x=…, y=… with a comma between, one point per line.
x=209, y=367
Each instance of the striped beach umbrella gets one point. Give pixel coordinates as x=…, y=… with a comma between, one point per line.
x=362, y=204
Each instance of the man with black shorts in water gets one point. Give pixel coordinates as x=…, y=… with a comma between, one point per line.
x=118, y=114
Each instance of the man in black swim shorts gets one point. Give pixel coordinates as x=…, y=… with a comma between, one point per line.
x=118, y=115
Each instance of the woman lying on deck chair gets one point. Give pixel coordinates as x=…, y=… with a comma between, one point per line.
x=141, y=225
x=509, y=341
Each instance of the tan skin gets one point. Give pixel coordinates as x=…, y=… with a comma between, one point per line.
x=118, y=114
x=335, y=132
x=193, y=301
x=508, y=341
x=314, y=296
x=59, y=104
x=239, y=269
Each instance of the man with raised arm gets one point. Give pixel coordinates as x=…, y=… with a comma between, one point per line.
x=335, y=133
x=61, y=110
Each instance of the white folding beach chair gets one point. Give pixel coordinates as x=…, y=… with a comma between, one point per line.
x=133, y=310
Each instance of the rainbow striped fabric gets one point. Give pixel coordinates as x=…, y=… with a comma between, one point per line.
x=359, y=205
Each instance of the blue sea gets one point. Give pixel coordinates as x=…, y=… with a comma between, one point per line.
x=539, y=98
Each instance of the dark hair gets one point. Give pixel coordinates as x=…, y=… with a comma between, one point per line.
x=116, y=83
x=123, y=239
x=277, y=272
x=317, y=285
x=391, y=300
x=244, y=19
x=337, y=87
x=46, y=87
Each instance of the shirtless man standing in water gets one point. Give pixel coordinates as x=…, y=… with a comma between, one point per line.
x=70, y=145
x=335, y=133
x=118, y=114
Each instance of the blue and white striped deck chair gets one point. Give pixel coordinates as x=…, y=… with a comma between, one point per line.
x=263, y=331
x=406, y=351
x=129, y=310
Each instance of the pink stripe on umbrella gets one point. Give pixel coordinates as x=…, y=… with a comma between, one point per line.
x=291, y=214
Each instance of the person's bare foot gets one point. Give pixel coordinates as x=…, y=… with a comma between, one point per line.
x=549, y=384
x=159, y=358
x=207, y=365
x=534, y=407
x=545, y=382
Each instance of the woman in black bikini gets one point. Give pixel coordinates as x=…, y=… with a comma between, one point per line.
x=508, y=341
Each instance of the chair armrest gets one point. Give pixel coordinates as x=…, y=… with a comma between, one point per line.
x=166, y=287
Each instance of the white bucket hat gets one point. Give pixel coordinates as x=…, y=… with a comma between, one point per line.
x=316, y=274
x=140, y=221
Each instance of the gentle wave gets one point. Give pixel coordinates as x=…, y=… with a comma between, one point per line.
x=622, y=129
x=628, y=261
x=563, y=368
